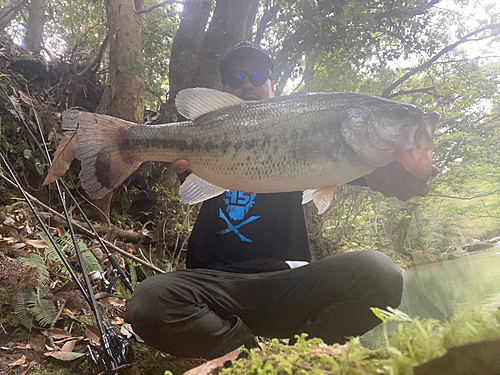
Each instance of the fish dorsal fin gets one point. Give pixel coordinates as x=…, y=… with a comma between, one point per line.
x=195, y=190
x=321, y=197
x=192, y=103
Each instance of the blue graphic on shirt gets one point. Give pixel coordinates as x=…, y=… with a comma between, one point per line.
x=238, y=204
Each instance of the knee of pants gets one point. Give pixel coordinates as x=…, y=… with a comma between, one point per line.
x=387, y=278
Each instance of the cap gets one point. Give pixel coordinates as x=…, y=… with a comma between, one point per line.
x=243, y=49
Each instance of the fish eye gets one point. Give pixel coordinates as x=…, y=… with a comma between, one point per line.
x=400, y=113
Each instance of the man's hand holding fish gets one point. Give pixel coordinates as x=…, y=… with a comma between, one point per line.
x=249, y=270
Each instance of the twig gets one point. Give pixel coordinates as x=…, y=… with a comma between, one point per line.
x=428, y=63
x=51, y=339
x=159, y=5
x=89, y=233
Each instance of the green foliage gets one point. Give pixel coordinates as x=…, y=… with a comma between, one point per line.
x=34, y=259
x=417, y=343
x=67, y=246
x=33, y=306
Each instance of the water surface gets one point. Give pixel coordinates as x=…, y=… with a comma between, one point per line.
x=441, y=290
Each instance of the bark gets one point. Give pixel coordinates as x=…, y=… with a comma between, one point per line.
x=124, y=93
x=196, y=53
x=34, y=28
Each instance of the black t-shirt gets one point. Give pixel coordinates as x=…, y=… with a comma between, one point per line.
x=242, y=232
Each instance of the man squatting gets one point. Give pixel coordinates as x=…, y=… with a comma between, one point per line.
x=249, y=269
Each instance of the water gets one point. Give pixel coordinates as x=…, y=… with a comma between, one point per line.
x=441, y=290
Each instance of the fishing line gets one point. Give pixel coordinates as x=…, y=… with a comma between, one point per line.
x=115, y=350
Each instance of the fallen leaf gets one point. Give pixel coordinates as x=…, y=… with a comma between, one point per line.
x=127, y=331
x=59, y=333
x=39, y=244
x=116, y=302
x=68, y=346
x=19, y=362
x=93, y=334
x=64, y=356
x=208, y=367
x=26, y=369
x=101, y=295
x=38, y=342
x=118, y=321
x=63, y=157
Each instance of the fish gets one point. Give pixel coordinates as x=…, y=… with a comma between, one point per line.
x=303, y=142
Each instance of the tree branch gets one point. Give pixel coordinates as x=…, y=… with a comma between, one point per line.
x=445, y=50
x=426, y=90
x=159, y=5
x=97, y=61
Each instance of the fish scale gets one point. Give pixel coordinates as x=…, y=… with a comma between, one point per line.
x=299, y=142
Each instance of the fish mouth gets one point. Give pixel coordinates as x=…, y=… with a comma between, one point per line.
x=416, y=154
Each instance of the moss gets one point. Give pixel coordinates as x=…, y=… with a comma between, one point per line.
x=417, y=343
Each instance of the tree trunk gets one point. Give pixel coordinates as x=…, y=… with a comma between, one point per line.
x=124, y=93
x=196, y=54
x=34, y=28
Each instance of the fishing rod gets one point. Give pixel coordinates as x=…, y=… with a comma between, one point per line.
x=116, y=269
x=115, y=350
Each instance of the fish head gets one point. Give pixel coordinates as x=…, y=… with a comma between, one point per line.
x=382, y=131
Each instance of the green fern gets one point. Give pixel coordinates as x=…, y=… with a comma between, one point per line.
x=34, y=259
x=43, y=309
x=22, y=309
x=67, y=246
x=32, y=306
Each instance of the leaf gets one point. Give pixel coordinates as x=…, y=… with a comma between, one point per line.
x=39, y=244
x=19, y=362
x=34, y=259
x=93, y=334
x=64, y=356
x=42, y=308
x=38, y=342
x=63, y=157
x=208, y=367
x=22, y=310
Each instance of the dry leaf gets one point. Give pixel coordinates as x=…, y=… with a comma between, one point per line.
x=208, y=367
x=64, y=356
x=39, y=244
x=116, y=302
x=93, y=334
x=118, y=321
x=26, y=369
x=58, y=333
x=63, y=157
x=19, y=362
x=38, y=342
x=68, y=346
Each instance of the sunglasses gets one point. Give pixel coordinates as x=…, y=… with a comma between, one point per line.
x=257, y=78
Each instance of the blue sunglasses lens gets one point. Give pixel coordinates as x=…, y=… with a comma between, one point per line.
x=256, y=77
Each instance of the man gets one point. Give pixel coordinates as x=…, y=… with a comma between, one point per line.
x=248, y=261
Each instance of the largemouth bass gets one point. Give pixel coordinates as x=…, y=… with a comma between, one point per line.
x=310, y=142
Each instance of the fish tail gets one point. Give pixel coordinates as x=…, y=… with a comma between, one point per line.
x=103, y=150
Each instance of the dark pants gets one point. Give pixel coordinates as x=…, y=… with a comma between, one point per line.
x=207, y=313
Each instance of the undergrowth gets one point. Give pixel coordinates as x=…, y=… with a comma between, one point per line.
x=416, y=343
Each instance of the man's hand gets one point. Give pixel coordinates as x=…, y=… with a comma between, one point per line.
x=394, y=180
x=180, y=166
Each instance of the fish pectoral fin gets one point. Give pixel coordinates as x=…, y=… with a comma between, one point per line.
x=194, y=102
x=311, y=149
x=195, y=190
x=321, y=197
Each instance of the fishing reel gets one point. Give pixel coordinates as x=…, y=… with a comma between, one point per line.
x=115, y=351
